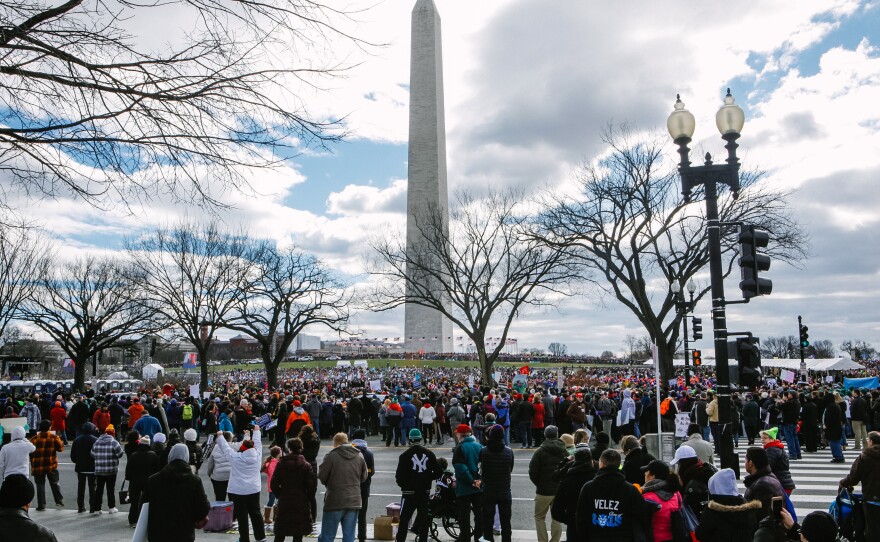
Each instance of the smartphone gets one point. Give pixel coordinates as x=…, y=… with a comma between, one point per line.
x=776, y=507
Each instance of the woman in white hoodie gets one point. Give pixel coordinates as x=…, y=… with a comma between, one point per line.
x=218, y=471
x=427, y=414
x=245, y=482
x=15, y=457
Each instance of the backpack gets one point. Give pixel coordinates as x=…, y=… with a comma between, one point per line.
x=664, y=406
x=187, y=412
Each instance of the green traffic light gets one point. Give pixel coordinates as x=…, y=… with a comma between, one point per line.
x=805, y=343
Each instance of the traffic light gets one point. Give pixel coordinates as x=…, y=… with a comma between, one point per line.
x=748, y=358
x=752, y=262
x=805, y=337
x=698, y=358
x=697, y=325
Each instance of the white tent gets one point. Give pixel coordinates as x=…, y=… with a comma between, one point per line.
x=153, y=371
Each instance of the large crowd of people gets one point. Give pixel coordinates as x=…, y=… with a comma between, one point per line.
x=591, y=470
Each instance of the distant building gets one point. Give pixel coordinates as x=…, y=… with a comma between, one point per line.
x=305, y=343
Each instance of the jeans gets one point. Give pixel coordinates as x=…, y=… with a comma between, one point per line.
x=542, y=507
x=525, y=433
x=83, y=481
x=330, y=520
x=40, y=479
x=791, y=439
x=506, y=436
x=248, y=507
x=271, y=502
x=836, y=451
x=102, y=481
x=503, y=502
x=468, y=504
x=410, y=505
x=706, y=431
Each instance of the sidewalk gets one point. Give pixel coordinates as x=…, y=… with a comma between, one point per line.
x=70, y=526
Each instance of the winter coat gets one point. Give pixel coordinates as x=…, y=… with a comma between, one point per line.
x=465, y=460
x=365, y=451
x=538, y=416
x=427, y=415
x=296, y=420
x=544, y=463
x=101, y=419
x=78, y=415
x=763, y=486
x=135, y=412
x=15, y=456
x=32, y=413
x=106, y=452
x=779, y=465
x=417, y=468
x=58, y=416
x=657, y=491
x=866, y=469
x=177, y=501
x=705, y=451
x=17, y=525
x=224, y=423
x=695, y=479
x=833, y=420
x=751, y=415
x=633, y=463
x=44, y=459
x=610, y=508
x=409, y=415
x=295, y=485
x=244, y=467
x=728, y=519
x=791, y=411
x=496, y=466
x=218, y=467
x=456, y=416
x=564, y=509
x=142, y=464
x=342, y=471
x=81, y=450
x=311, y=449
x=858, y=410
x=147, y=425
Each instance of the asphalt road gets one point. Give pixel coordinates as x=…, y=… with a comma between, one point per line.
x=383, y=490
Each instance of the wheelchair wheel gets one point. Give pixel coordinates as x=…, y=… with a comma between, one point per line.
x=434, y=532
x=450, y=525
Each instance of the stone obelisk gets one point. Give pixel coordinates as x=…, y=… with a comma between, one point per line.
x=425, y=329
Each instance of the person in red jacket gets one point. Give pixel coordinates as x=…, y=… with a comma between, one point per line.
x=297, y=419
x=135, y=411
x=101, y=419
x=58, y=415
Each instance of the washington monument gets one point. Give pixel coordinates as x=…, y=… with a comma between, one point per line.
x=425, y=329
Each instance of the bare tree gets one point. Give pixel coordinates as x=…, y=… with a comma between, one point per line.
x=194, y=276
x=480, y=271
x=288, y=291
x=23, y=258
x=858, y=349
x=91, y=110
x=821, y=349
x=630, y=225
x=780, y=347
x=87, y=306
x=557, y=349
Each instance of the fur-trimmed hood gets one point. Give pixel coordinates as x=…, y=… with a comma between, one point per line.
x=717, y=504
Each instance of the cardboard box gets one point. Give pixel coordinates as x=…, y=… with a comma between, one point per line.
x=384, y=528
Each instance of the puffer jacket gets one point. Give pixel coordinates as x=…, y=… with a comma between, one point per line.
x=779, y=465
x=728, y=519
x=218, y=467
x=465, y=460
x=763, y=485
x=244, y=467
x=657, y=491
x=543, y=465
x=342, y=471
x=81, y=450
x=496, y=466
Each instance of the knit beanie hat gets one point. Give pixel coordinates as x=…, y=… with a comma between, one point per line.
x=567, y=439
x=190, y=435
x=819, y=526
x=110, y=430
x=463, y=429
x=723, y=482
x=551, y=431
x=144, y=440
x=773, y=431
x=16, y=491
x=415, y=435
x=159, y=438
x=496, y=432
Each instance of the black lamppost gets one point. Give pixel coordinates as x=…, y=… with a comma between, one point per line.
x=683, y=307
x=681, y=124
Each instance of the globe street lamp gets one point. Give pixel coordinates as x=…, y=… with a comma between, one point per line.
x=681, y=124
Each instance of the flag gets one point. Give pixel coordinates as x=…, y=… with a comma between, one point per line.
x=524, y=370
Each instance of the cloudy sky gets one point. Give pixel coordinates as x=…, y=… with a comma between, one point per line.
x=530, y=84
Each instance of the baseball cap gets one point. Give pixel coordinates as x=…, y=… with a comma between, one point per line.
x=683, y=452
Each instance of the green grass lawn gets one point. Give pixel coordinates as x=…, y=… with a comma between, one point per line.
x=381, y=364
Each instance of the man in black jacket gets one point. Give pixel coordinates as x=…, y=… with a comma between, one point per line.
x=858, y=410
x=866, y=470
x=578, y=473
x=177, y=500
x=609, y=507
x=496, y=464
x=525, y=412
x=142, y=464
x=541, y=468
x=81, y=455
x=791, y=412
x=417, y=468
x=360, y=442
x=16, y=493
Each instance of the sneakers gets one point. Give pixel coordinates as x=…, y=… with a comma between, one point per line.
x=95, y=512
x=113, y=510
x=59, y=504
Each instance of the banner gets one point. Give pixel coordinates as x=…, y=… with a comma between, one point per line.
x=869, y=383
x=263, y=421
x=190, y=360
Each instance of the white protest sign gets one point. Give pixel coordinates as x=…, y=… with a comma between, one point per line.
x=470, y=381
x=497, y=376
x=560, y=381
x=375, y=385
x=682, y=421
x=194, y=390
x=787, y=376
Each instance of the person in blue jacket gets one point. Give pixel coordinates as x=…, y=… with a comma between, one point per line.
x=468, y=486
x=147, y=425
x=408, y=421
x=224, y=423
x=502, y=409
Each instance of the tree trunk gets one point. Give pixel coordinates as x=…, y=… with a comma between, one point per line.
x=485, y=366
x=272, y=374
x=203, y=368
x=82, y=362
